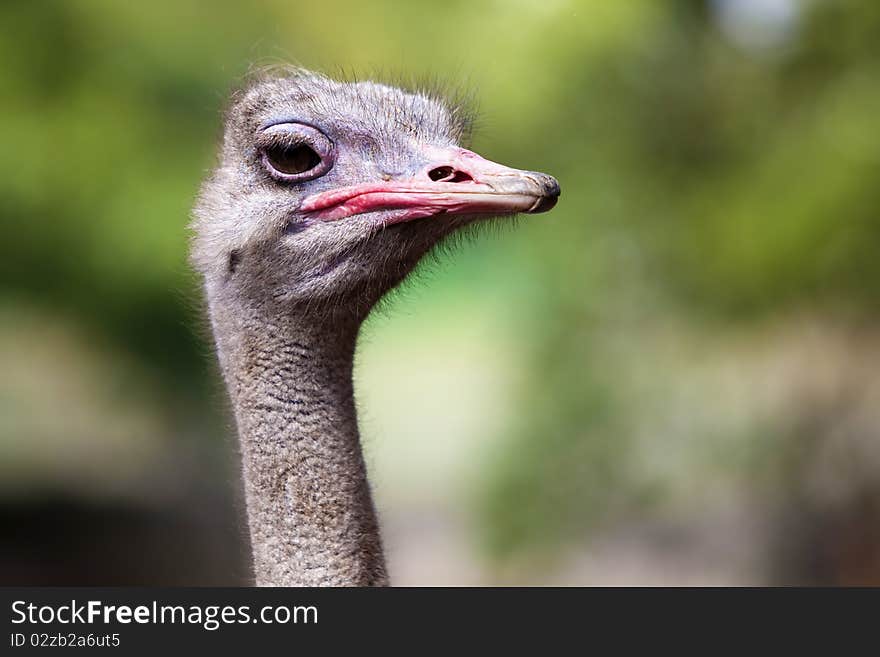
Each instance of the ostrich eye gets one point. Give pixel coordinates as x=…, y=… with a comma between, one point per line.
x=292, y=160
x=295, y=152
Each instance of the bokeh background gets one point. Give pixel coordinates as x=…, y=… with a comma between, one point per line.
x=670, y=379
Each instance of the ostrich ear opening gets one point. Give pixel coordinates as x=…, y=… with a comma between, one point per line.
x=233, y=260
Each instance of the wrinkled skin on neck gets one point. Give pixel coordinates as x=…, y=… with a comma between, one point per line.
x=311, y=516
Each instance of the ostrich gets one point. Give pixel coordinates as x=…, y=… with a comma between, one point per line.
x=325, y=196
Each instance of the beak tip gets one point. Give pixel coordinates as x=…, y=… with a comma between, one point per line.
x=550, y=195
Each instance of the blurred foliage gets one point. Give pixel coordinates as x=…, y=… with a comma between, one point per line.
x=724, y=186
x=719, y=168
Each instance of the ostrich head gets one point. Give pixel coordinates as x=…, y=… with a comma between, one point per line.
x=327, y=193
x=325, y=196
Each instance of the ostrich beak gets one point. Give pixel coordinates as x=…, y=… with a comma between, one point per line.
x=455, y=181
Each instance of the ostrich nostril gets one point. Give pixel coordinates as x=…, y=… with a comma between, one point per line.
x=448, y=174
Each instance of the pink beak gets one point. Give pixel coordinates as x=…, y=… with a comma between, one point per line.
x=457, y=181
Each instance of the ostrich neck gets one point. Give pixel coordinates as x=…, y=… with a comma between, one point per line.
x=311, y=516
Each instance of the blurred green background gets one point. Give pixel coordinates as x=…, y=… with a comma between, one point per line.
x=670, y=379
